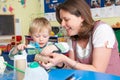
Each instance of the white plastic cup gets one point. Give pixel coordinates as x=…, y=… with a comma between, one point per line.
x=20, y=62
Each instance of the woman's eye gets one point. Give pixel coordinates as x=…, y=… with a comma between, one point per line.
x=66, y=20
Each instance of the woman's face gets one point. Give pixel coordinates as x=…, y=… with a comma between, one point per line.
x=70, y=22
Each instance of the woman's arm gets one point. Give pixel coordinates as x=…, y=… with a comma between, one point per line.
x=100, y=61
x=101, y=57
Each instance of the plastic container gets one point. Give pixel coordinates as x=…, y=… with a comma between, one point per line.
x=35, y=72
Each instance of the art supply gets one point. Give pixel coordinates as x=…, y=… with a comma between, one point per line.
x=2, y=66
x=71, y=77
x=14, y=67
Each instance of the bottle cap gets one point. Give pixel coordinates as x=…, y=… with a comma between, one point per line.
x=34, y=65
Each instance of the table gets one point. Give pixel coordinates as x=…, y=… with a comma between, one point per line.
x=66, y=74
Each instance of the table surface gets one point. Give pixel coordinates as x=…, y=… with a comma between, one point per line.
x=64, y=74
x=67, y=74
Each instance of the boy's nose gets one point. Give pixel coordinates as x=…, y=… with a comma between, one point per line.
x=40, y=38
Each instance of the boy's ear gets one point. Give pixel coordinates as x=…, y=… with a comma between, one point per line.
x=29, y=34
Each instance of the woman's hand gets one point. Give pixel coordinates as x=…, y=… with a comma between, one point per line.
x=48, y=49
x=41, y=58
x=53, y=60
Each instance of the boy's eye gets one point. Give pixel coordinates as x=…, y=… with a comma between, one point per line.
x=45, y=36
x=37, y=36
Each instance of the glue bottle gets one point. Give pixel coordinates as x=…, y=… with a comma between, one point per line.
x=35, y=72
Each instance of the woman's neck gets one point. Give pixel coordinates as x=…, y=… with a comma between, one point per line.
x=83, y=43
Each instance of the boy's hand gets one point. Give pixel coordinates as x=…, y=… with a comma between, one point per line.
x=21, y=47
x=18, y=48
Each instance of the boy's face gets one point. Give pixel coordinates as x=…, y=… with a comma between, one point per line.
x=41, y=37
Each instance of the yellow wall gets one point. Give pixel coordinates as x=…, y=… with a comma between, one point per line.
x=33, y=9
x=24, y=14
x=110, y=21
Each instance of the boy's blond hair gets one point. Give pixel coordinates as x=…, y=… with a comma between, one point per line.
x=38, y=24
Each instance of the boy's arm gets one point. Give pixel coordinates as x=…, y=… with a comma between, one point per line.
x=13, y=52
x=63, y=47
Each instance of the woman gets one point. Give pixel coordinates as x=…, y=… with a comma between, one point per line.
x=93, y=45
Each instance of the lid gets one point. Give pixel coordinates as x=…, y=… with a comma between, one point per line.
x=34, y=65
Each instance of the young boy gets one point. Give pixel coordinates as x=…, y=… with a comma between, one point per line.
x=39, y=31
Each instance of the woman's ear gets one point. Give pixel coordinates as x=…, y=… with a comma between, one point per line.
x=82, y=18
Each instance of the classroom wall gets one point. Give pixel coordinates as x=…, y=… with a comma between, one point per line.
x=24, y=12
x=110, y=20
x=31, y=9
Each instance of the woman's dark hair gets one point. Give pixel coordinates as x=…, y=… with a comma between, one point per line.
x=78, y=8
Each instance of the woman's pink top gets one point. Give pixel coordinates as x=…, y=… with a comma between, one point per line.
x=114, y=63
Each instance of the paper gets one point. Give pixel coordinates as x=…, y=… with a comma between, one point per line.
x=2, y=65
